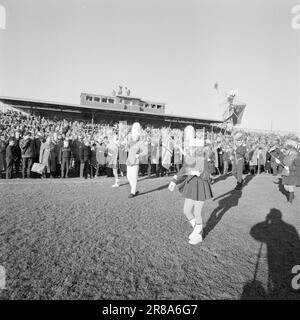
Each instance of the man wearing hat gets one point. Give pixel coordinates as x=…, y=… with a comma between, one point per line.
x=239, y=153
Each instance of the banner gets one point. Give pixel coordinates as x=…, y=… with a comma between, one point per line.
x=155, y=146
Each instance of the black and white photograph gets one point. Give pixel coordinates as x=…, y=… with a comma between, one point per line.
x=149, y=151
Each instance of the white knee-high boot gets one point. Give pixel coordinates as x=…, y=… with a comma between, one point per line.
x=196, y=237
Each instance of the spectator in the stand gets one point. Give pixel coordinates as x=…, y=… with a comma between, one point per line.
x=64, y=159
x=85, y=158
x=226, y=159
x=3, y=145
x=253, y=157
x=12, y=157
x=27, y=149
x=261, y=159
x=268, y=162
x=76, y=147
x=276, y=159
x=58, y=143
x=93, y=164
x=48, y=157
x=19, y=154
x=101, y=154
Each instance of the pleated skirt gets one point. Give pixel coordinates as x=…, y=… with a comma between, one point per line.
x=196, y=188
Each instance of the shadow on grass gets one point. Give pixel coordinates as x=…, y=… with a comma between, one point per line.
x=281, y=188
x=228, y=200
x=165, y=186
x=283, y=254
x=222, y=177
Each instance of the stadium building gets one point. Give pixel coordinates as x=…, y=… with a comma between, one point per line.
x=98, y=108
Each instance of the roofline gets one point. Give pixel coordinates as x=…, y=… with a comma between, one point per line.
x=108, y=109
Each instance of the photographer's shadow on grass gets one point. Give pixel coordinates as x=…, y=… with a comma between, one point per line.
x=228, y=200
x=283, y=253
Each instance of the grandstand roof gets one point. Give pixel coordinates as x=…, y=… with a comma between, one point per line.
x=50, y=105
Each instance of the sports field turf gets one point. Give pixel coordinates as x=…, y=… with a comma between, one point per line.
x=81, y=239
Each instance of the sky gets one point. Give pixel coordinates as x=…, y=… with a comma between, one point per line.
x=170, y=51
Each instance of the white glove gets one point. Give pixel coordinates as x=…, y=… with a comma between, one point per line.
x=172, y=186
x=137, y=156
x=277, y=161
x=287, y=168
x=195, y=173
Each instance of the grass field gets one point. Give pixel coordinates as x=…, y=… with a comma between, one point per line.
x=81, y=239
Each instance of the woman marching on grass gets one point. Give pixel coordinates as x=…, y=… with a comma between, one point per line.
x=193, y=181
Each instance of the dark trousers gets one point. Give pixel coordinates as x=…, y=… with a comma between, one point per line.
x=84, y=168
x=65, y=165
x=77, y=165
x=26, y=166
x=99, y=169
x=237, y=169
x=9, y=168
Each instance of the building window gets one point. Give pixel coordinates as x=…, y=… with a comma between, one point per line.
x=96, y=99
x=111, y=101
x=159, y=106
x=153, y=106
x=89, y=98
x=146, y=105
x=104, y=100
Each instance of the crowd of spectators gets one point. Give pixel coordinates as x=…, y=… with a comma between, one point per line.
x=82, y=149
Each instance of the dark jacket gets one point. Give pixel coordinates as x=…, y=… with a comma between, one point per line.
x=11, y=153
x=76, y=146
x=65, y=153
x=3, y=145
x=27, y=148
x=85, y=153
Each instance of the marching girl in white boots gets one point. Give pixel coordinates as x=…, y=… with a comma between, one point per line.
x=193, y=181
x=135, y=152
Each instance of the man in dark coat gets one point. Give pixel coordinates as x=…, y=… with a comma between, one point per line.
x=85, y=158
x=93, y=162
x=238, y=161
x=27, y=149
x=3, y=145
x=64, y=158
x=101, y=154
x=12, y=156
x=19, y=153
x=76, y=146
